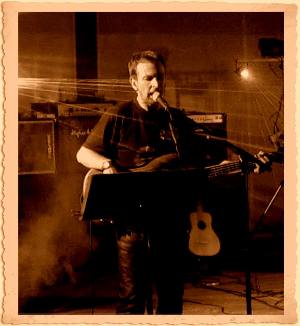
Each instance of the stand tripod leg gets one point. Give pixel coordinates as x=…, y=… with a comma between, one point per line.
x=149, y=301
x=267, y=209
x=248, y=284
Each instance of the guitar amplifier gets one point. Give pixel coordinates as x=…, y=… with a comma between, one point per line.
x=36, y=151
x=214, y=124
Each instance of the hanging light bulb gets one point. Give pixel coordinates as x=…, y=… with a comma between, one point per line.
x=241, y=68
x=244, y=73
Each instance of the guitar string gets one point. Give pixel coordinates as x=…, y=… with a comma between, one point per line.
x=230, y=167
x=213, y=170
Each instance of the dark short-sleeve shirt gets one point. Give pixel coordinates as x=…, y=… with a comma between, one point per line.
x=131, y=136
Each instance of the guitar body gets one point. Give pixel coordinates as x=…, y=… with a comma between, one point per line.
x=203, y=240
x=86, y=188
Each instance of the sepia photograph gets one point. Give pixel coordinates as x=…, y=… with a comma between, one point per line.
x=150, y=156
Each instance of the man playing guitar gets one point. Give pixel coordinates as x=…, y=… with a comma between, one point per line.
x=127, y=138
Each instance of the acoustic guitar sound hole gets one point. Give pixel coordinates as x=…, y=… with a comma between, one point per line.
x=201, y=225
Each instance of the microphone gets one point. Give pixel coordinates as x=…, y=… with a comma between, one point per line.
x=157, y=98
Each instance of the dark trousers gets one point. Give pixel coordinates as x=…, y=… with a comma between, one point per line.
x=152, y=252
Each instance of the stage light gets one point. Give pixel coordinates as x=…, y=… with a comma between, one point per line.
x=244, y=73
x=241, y=68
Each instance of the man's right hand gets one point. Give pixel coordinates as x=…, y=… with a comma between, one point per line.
x=109, y=170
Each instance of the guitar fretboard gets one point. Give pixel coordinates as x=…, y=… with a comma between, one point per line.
x=223, y=169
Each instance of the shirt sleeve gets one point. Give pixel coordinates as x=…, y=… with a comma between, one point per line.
x=100, y=138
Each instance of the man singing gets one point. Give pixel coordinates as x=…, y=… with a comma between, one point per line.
x=152, y=236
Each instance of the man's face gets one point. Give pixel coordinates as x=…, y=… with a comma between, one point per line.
x=149, y=79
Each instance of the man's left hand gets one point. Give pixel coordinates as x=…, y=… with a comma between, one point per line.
x=265, y=164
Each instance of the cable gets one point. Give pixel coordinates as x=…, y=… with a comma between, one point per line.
x=221, y=308
x=241, y=294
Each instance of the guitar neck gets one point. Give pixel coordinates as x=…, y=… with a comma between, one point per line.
x=159, y=164
x=226, y=168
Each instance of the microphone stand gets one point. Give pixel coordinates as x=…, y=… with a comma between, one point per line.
x=173, y=133
x=240, y=151
x=163, y=103
x=247, y=247
x=246, y=157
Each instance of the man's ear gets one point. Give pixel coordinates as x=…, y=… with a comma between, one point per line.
x=133, y=83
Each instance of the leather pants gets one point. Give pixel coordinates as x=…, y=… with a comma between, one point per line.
x=152, y=255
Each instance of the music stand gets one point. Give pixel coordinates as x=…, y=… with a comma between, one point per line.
x=114, y=195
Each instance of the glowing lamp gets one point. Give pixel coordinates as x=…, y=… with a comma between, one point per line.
x=244, y=73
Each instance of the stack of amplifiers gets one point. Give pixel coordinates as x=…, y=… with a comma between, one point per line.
x=49, y=141
x=214, y=124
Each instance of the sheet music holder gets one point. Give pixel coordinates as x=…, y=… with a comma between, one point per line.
x=109, y=195
x=118, y=195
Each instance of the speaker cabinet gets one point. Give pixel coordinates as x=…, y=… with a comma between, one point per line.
x=225, y=200
x=36, y=150
x=213, y=124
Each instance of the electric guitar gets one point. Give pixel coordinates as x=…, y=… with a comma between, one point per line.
x=168, y=163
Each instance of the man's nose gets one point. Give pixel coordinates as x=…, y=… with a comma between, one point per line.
x=154, y=82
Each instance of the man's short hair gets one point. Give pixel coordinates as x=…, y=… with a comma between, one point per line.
x=142, y=56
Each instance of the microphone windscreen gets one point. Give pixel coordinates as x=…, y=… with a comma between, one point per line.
x=155, y=96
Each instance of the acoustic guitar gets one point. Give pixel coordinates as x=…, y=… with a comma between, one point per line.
x=203, y=240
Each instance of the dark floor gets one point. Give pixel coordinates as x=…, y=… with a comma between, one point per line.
x=82, y=281
x=207, y=292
